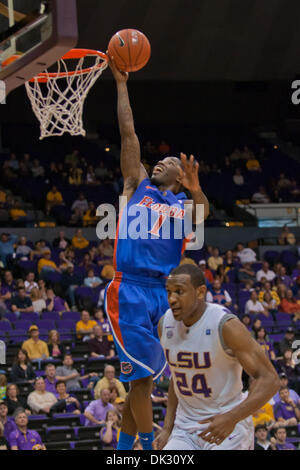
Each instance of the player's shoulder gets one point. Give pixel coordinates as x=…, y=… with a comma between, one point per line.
x=167, y=315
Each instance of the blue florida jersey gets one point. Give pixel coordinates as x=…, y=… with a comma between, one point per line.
x=150, y=235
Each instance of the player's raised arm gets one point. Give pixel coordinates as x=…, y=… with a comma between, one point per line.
x=264, y=386
x=190, y=180
x=132, y=170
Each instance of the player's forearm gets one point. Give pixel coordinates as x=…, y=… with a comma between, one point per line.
x=171, y=408
x=125, y=116
x=262, y=390
x=199, y=197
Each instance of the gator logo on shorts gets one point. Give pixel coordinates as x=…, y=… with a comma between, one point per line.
x=126, y=368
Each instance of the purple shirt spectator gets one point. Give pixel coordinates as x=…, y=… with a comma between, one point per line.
x=296, y=273
x=286, y=280
x=105, y=327
x=25, y=441
x=59, y=304
x=9, y=427
x=294, y=396
x=283, y=410
x=98, y=410
x=114, y=441
x=51, y=386
x=285, y=446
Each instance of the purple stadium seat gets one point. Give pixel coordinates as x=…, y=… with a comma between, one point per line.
x=46, y=324
x=283, y=319
x=53, y=277
x=5, y=326
x=256, y=266
x=288, y=257
x=22, y=325
x=272, y=256
x=28, y=265
x=11, y=316
x=29, y=316
x=243, y=297
x=17, y=336
x=232, y=274
x=53, y=316
x=84, y=292
x=74, y=316
x=66, y=325
x=265, y=321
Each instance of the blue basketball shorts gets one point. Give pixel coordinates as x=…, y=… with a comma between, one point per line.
x=134, y=306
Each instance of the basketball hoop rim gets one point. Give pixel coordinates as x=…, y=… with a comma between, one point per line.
x=73, y=54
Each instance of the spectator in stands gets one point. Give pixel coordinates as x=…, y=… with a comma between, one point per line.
x=286, y=237
x=7, y=243
x=218, y=295
x=252, y=163
x=42, y=288
x=9, y=283
x=91, y=280
x=266, y=289
x=283, y=181
x=245, y=255
x=264, y=416
x=35, y=348
x=255, y=327
x=84, y=327
x=45, y=264
x=296, y=272
x=281, y=290
x=286, y=410
x=96, y=411
x=99, y=346
x=81, y=204
x=238, y=178
x=90, y=218
x=41, y=401
x=5, y=296
x=69, y=282
x=114, y=394
x=23, y=250
x=290, y=305
x=215, y=260
x=288, y=366
x=72, y=158
x=246, y=274
x=119, y=405
x=3, y=385
x=279, y=441
x=71, y=376
x=63, y=262
x=55, y=303
x=23, y=438
x=269, y=304
x=107, y=272
x=61, y=241
x=75, y=176
x=78, y=241
x=104, y=323
x=283, y=384
x=108, y=380
x=260, y=336
x=261, y=196
x=3, y=442
x=67, y=403
x=22, y=370
x=76, y=219
x=221, y=274
x=14, y=400
x=229, y=261
x=21, y=303
x=158, y=396
x=86, y=263
x=38, y=303
x=253, y=306
x=91, y=176
x=261, y=435
x=56, y=348
x=288, y=340
x=7, y=422
x=18, y=215
x=283, y=278
x=50, y=378
x=265, y=272
x=207, y=272
x=54, y=198
x=30, y=282
x=38, y=251
x=104, y=253
x=109, y=433
x=246, y=320
x=37, y=170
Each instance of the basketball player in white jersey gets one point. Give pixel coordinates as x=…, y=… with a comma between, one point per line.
x=207, y=348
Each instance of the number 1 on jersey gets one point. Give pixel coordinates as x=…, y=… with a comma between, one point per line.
x=157, y=225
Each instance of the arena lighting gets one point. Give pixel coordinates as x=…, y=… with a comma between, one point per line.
x=275, y=147
x=107, y=149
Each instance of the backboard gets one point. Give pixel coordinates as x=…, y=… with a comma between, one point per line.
x=33, y=35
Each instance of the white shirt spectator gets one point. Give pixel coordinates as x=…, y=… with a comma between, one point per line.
x=80, y=204
x=30, y=285
x=38, y=401
x=238, y=180
x=269, y=275
x=247, y=255
x=254, y=307
x=39, y=305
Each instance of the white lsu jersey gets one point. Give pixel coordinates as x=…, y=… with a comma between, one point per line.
x=207, y=380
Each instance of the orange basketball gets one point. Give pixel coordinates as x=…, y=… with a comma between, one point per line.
x=130, y=49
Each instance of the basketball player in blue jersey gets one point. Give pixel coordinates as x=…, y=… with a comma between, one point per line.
x=207, y=348
x=136, y=298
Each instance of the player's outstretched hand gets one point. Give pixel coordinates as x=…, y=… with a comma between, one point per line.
x=189, y=175
x=118, y=75
x=161, y=440
x=220, y=427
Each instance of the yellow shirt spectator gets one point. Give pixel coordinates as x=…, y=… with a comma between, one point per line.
x=252, y=164
x=104, y=383
x=273, y=293
x=188, y=261
x=214, y=262
x=16, y=213
x=2, y=196
x=54, y=196
x=35, y=349
x=80, y=242
x=45, y=262
x=108, y=271
x=80, y=325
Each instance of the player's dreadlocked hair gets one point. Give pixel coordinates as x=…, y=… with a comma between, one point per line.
x=196, y=274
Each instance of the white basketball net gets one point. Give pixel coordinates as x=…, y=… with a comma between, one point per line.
x=58, y=102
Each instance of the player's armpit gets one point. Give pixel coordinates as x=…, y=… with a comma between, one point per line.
x=160, y=326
